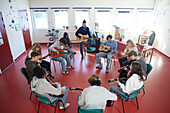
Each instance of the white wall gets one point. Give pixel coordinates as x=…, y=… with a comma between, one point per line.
x=162, y=26
x=39, y=34
x=15, y=38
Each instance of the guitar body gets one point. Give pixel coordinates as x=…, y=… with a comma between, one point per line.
x=54, y=54
x=84, y=39
x=105, y=49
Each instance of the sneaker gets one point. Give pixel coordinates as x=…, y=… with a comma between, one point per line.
x=107, y=70
x=66, y=72
x=99, y=65
x=66, y=106
x=70, y=67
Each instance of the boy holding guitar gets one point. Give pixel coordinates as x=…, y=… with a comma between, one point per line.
x=56, y=51
x=41, y=85
x=81, y=34
x=107, y=49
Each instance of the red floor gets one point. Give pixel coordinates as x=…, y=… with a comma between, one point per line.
x=14, y=96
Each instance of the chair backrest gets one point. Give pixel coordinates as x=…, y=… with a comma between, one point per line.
x=23, y=71
x=42, y=98
x=149, y=68
x=93, y=42
x=90, y=110
x=139, y=53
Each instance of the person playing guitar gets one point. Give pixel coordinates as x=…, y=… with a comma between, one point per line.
x=56, y=49
x=107, y=49
x=43, y=86
x=68, y=45
x=81, y=34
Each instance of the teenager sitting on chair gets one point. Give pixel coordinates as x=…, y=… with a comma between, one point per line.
x=95, y=96
x=66, y=36
x=135, y=80
x=43, y=63
x=40, y=85
x=129, y=47
x=113, y=48
x=133, y=56
x=83, y=30
x=65, y=58
x=31, y=64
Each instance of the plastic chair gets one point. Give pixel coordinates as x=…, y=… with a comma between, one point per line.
x=139, y=53
x=46, y=101
x=90, y=110
x=23, y=71
x=93, y=49
x=132, y=96
x=149, y=69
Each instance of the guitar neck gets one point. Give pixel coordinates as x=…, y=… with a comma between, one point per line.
x=74, y=88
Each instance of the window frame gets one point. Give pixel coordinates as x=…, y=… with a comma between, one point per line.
x=33, y=18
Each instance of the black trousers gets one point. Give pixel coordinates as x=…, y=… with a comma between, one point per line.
x=81, y=46
x=46, y=65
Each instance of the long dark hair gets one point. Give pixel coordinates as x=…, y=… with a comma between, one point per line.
x=137, y=69
x=65, y=34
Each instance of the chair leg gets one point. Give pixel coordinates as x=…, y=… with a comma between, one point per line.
x=63, y=104
x=144, y=91
x=38, y=107
x=137, y=103
x=123, y=106
x=30, y=95
x=55, y=108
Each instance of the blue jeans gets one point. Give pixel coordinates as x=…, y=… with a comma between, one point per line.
x=65, y=58
x=72, y=51
x=115, y=89
x=102, y=54
x=64, y=98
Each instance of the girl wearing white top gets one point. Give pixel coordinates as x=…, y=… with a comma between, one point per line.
x=95, y=96
x=129, y=47
x=134, y=80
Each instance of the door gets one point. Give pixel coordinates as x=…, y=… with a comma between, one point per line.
x=25, y=28
x=5, y=52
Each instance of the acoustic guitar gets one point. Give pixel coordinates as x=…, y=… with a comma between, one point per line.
x=61, y=53
x=67, y=46
x=105, y=49
x=40, y=58
x=54, y=85
x=108, y=104
x=83, y=39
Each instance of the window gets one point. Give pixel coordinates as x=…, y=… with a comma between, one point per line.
x=123, y=19
x=103, y=19
x=40, y=19
x=145, y=20
x=81, y=15
x=61, y=18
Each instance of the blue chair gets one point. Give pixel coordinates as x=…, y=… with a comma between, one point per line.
x=90, y=110
x=131, y=96
x=46, y=101
x=23, y=71
x=93, y=49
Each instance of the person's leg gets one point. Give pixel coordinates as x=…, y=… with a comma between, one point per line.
x=81, y=49
x=64, y=98
x=62, y=61
x=67, y=58
x=46, y=65
x=98, y=59
x=109, y=55
x=115, y=89
x=71, y=51
x=121, y=60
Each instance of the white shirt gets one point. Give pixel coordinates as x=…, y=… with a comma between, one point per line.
x=57, y=45
x=132, y=84
x=43, y=87
x=29, y=54
x=95, y=97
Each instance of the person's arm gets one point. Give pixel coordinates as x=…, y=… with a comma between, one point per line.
x=82, y=98
x=103, y=44
x=29, y=55
x=111, y=96
x=52, y=47
x=77, y=32
x=115, y=47
x=49, y=89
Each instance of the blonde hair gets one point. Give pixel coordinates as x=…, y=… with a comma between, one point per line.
x=37, y=45
x=131, y=42
x=94, y=80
